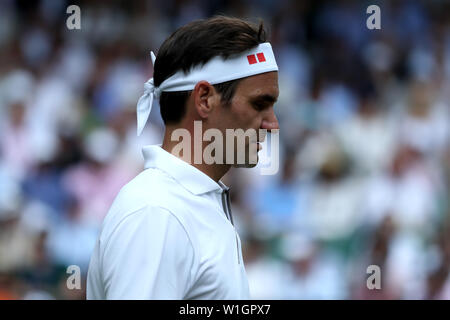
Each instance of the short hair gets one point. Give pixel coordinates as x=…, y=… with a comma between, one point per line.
x=195, y=44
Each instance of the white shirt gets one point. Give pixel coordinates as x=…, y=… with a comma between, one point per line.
x=168, y=235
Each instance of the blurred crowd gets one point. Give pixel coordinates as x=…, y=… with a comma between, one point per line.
x=364, y=143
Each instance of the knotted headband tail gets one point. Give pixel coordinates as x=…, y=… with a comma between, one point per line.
x=145, y=103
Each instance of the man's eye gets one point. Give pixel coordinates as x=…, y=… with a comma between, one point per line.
x=259, y=105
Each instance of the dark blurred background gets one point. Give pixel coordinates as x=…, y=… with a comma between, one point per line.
x=365, y=156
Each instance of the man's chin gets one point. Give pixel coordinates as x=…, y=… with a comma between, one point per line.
x=247, y=163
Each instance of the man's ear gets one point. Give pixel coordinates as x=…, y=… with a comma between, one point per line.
x=205, y=98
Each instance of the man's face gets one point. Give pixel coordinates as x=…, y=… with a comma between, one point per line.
x=252, y=107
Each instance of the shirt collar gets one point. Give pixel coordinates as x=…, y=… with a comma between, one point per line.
x=188, y=176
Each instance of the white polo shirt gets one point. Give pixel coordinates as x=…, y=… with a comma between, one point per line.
x=168, y=235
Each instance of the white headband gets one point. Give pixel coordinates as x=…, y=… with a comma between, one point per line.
x=255, y=61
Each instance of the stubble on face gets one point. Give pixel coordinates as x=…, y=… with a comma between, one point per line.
x=253, y=99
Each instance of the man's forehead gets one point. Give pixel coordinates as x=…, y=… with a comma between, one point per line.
x=261, y=84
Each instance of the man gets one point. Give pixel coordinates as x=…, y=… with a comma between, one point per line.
x=169, y=233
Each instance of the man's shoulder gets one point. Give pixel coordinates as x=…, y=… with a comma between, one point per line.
x=152, y=188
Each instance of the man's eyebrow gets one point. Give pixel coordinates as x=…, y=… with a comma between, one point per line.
x=265, y=98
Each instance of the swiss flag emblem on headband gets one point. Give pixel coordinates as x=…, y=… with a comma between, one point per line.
x=252, y=58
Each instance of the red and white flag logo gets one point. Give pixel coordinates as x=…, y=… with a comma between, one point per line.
x=252, y=58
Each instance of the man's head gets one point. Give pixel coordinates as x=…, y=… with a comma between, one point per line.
x=245, y=103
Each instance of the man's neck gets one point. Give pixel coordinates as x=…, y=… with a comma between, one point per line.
x=214, y=171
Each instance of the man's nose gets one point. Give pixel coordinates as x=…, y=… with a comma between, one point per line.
x=270, y=122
